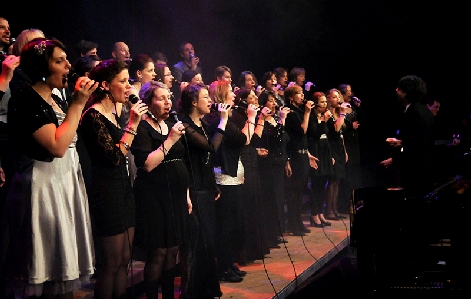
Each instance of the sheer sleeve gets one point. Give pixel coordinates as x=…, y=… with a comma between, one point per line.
x=101, y=139
x=197, y=139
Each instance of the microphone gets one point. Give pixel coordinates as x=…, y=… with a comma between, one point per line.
x=173, y=114
x=355, y=99
x=192, y=55
x=134, y=98
x=214, y=106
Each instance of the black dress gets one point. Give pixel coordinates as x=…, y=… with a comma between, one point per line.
x=110, y=195
x=256, y=245
x=319, y=147
x=200, y=276
x=272, y=173
x=161, y=194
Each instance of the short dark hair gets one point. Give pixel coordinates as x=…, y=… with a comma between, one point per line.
x=189, y=94
x=188, y=75
x=159, y=56
x=414, y=88
x=264, y=96
x=84, y=46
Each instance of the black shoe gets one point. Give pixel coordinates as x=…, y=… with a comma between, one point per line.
x=230, y=276
x=238, y=271
x=280, y=240
x=305, y=229
x=297, y=233
x=313, y=224
x=339, y=216
x=335, y=218
x=326, y=223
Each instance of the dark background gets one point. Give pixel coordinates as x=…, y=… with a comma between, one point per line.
x=369, y=44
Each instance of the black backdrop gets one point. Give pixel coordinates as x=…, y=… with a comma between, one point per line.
x=367, y=43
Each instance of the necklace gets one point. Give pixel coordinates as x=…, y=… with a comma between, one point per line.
x=207, y=153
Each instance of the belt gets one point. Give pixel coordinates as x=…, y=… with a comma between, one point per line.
x=303, y=151
x=172, y=160
x=323, y=136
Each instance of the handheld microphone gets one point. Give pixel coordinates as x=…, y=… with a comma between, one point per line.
x=173, y=114
x=192, y=55
x=214, y=106
x=134, y=98
x=355, y=99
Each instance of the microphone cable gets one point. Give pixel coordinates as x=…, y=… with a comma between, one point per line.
x=123, y=176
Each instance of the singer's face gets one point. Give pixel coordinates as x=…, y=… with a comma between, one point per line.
x=203, y=104
x=148, y=73
x=161, y=103
x=271, y=104
x=298, y=98
x=168, y=77
x=226, y=77
x=322, y=104
x=230, y=96
x=197, y=79
x=283, y=79
x=252, y=98
x=249, y=82
x=186, y=51
x=59, y=67
x=334, y=99
x=300, y=79
x=119, y=86
x=271, y=82
x=4, y=31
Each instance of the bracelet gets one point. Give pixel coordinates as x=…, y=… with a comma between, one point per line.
x=260, y=125
x=342, y=114
x=249, y=122
x=162, y=148
x=125, y=144
x=130, y=130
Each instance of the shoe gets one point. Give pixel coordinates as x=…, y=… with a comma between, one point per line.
x=339, y=216
x=326, y=223
x=313, y=224
x=297, y=233
x=230, y=276
x=280, y=240
x=238, y=271
x=331, y=217
x=305, y=229
x=274, y=246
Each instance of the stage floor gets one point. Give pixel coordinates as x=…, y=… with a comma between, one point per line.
x=278, y=275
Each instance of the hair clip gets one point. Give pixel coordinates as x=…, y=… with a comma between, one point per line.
x=39, y=48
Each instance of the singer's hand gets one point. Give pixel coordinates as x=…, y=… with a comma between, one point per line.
x=327, y=115
x=259, y=90
x=135, y=113
x=309, y=105
x=10, y=63
x=283, y=112
x=252, y=111
x=265, y=112
x=194, y=62
x=176, y=132
x=84, y=87
x=224, y=110
x=308, y=86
